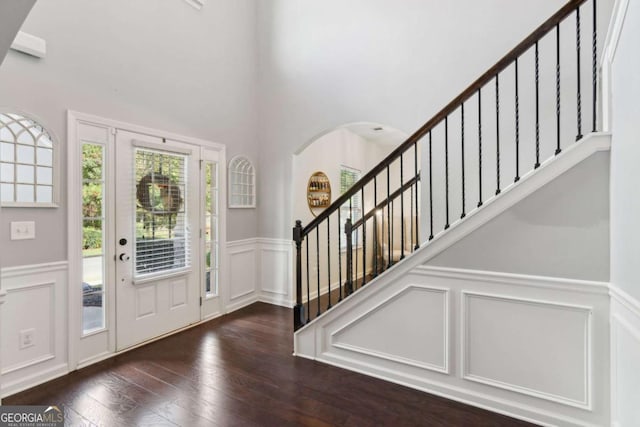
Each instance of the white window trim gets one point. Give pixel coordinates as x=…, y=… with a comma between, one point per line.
x=55, y=192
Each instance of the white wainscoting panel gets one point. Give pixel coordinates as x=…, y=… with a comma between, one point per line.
x=276, y=271
x=550, y=341
x=625, y=359
x=533, y=348
x=35, y=304
x=260, y=270
x=243, y=273
x=420, y=312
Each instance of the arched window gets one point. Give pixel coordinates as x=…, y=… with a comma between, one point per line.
x=26, y=162
x=242, y=183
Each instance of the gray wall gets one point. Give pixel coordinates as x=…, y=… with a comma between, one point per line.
x=161, y=64
x=12, y=15
x=561, y=230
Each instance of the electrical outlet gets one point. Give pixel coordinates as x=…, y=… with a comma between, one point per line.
x=27, y=338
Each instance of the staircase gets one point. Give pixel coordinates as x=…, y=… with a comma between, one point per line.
x=517, y=344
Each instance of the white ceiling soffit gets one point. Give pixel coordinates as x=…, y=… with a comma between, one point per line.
x=196, y=3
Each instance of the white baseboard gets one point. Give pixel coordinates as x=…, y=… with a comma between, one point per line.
x=40, y=377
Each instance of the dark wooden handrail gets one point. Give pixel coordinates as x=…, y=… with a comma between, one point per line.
x=499, y=66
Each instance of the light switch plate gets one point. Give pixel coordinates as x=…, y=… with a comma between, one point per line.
x=22, y=230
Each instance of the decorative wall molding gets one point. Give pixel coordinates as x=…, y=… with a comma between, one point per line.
x=387, y=303
x=625, y=352
x=42, y=287
x=586, y=355
x=29, y=270
x=624, y=299
x=555, y=385
x=267, y=268
x=555, y=283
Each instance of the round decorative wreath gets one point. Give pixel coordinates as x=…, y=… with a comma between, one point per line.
x=170, y=197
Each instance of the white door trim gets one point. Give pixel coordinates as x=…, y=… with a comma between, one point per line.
x=76, y=356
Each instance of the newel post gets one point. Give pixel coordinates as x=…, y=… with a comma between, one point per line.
x=348, y=230
x=298, y=310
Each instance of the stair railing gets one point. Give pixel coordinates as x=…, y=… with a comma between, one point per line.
x=540, y=117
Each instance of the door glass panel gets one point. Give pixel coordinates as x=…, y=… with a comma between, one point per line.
x=211, y=229
x=161, y=229
x=93, y=262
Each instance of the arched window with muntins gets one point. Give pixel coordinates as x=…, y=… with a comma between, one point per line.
x=26, y=162
x=242, y=183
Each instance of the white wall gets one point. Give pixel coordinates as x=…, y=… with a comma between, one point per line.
x=562, y=230
x=625, y=152
x=625, y=211
x=327, y=63
x=159, y=64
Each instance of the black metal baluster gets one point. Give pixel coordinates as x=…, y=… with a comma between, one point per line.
x=298, y=310
x=351, y=236
x=356, y=257
x=479, y=148
x=498, y=134
x=558, y=149
x=329, y=262
x=430, y=189
x=364, y=239
x=415, y=164
x=318, y=265
x=579, y=91
x=375, y=226
x=308, y=287
x=517, y=178
x=348, y=230
x=401, y=207
x=388, y=219
x=462, y=145
x=537, y=76
x=339, y=258
x=594, y=69
x=411, y=216
x=446, y=169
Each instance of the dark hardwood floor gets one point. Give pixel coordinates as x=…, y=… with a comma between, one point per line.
x=238, y=371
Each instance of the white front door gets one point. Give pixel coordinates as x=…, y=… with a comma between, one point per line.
x=158, y=246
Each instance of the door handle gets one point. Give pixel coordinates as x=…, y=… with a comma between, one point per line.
x=124, y=257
